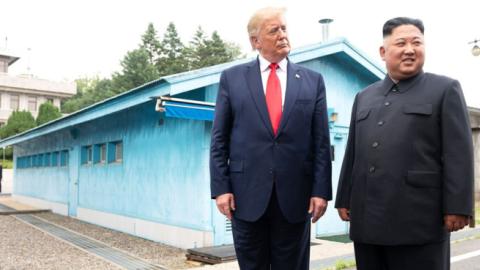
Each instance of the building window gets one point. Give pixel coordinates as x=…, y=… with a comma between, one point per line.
x=14, y=102
x=103, y=153
x=40, y=160
x=115, y=151
x=50, y=100
x=87, y=154
x=32, y=104
x=64, y=158
x=54, y=159
x=47, y=160
x=99, y=153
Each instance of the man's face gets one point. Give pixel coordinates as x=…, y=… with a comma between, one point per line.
x=272, y=40
x=403, y=52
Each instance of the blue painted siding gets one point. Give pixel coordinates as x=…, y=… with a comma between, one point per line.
x=163, y=176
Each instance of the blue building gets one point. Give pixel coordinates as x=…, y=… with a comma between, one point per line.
x=138, y=162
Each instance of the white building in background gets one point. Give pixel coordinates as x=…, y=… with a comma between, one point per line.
x=25, y=92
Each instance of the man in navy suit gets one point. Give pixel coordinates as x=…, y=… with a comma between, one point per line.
x=270, y=153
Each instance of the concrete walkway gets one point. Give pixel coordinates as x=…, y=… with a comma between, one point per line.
x=327, y=254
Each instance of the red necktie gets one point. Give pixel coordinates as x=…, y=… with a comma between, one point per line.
x=274, y=98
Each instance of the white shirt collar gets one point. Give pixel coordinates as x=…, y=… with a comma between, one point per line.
x=265, y=64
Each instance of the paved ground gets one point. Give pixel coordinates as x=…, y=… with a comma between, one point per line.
x=25, y=247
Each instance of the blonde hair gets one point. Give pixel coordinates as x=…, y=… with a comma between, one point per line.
x=257, y=19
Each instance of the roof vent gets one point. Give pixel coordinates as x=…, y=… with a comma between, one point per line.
x=325, y=27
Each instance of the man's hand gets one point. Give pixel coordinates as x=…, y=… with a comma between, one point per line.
x=344, y=214
x=226, y=204
x=455, y=222
x=318, y=206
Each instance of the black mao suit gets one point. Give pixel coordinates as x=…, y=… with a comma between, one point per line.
x=409, y=161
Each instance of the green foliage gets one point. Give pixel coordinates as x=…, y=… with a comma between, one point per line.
x=151, y=44
x=172, y=53
x=47, y=112
x=136, y=70
x=152, y=59
x=19, y=121
x=6, y=163
x=204, y=52
x=89, y=91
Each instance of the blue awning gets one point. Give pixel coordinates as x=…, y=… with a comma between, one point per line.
x=186, y=109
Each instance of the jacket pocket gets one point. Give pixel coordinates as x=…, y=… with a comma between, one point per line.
x=422, y=109
x=424, y=179
x=362, y=115
x=236, y=166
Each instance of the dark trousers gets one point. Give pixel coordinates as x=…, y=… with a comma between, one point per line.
x=272, y=242
x=435, y=256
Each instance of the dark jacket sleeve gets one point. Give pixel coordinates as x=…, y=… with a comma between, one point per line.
x=345, y=181
x=322, y=181
x=457, y=153
x=219, y=148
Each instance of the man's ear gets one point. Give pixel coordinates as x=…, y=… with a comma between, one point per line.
x=382, y=52
x=254, y=42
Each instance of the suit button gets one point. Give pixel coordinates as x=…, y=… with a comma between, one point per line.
x=271, y=171
x=380, y=123
x=375, y=144
x=371, y=169
x=387, y=103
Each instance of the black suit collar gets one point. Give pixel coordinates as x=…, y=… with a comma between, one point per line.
x=403, y=85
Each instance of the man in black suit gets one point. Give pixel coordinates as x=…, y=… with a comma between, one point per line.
x=270, y=153
x=407, y=177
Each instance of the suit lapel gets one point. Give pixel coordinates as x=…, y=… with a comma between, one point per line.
x=293, y=88
x=255, y=87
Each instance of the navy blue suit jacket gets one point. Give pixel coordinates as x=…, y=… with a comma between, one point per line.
x=247, y=158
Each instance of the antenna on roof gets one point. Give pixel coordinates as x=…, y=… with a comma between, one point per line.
x=6, y=43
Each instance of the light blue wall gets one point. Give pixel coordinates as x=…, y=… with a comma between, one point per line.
x=163, y=176
x=49, y=183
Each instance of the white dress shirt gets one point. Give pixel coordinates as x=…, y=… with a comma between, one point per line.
x=281, y=73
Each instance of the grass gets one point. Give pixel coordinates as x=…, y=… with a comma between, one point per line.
x=7, y=164
x=342, y=264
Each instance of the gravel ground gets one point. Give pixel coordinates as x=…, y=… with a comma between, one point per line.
x=153, y=252
x=24, y=247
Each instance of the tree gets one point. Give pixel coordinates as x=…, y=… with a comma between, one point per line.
x=151, y=60
x=47, y=112
x=204, y=52
x=136, y=70
x=19, y=121
x=172, y=53
x=89, y=91
x=151, y=44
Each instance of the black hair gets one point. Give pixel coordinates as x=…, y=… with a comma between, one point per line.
x=396, y=22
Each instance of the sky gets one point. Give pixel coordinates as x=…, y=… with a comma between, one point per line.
x=65, y=40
